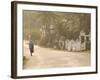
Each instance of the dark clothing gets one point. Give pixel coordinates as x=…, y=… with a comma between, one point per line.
x=31, y=47
x=31, y=50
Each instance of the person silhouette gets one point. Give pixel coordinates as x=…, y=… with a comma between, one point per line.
x=31, y=47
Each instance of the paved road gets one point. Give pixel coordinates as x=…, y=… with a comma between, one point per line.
x=47, y=57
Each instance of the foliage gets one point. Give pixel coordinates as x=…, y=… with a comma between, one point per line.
x=55, y=25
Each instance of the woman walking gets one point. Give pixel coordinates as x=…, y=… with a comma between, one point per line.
x=31, y=47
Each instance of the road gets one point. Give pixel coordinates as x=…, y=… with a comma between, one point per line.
x=47, y=58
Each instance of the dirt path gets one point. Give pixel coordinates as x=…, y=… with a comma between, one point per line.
x=46, y=57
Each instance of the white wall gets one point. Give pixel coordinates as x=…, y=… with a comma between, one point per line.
x=5, y=40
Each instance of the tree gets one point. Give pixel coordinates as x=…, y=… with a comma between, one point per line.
x=48, y=27
x=69, y=27
x=47, y=21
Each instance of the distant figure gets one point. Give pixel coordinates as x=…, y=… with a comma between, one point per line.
x=31, y=47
